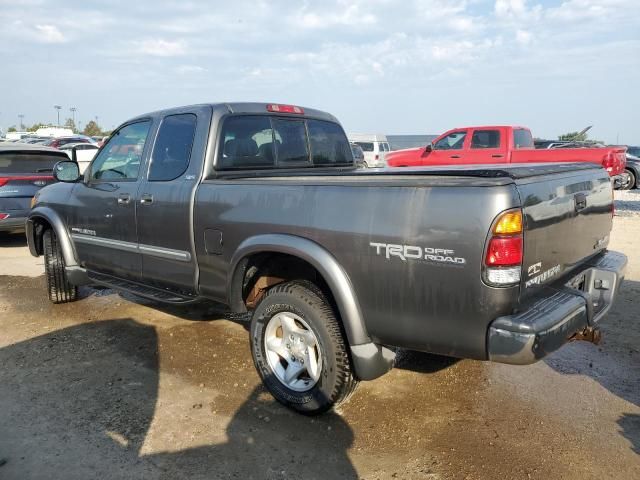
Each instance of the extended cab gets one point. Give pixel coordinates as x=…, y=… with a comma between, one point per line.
x=502, y=144
x=260, y=206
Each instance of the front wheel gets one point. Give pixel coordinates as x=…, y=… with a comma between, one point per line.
x=299, y=350
x=58, y=286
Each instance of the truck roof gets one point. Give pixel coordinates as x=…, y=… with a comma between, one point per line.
x=242, y=107
x=489, y=126
x=27, y=147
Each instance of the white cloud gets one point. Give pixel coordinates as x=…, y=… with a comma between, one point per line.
x=523, y=37
x=49, y=34
x=186, y=69
x=162, y=48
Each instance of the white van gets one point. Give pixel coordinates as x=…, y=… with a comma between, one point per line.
x=374, y=147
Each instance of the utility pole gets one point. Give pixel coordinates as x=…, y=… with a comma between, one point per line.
x=73, y=115
x=21, y=117
x=58, y=108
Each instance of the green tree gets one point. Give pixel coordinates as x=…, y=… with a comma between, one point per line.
x=578, y=137
x=35, y=127
x=92, y=129
x=12, y=128
x=574, y=136
x=70, y=124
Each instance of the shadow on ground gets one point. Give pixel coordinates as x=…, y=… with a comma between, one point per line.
x=12, y=239
x=92, y=389
x=615, y=363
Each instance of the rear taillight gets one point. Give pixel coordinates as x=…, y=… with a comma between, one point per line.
x=609, y=162
x=3, y=216
x=504, y=252
x=273, y=107
x=27, y=178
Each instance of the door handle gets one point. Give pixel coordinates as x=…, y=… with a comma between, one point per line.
x=454, y=156
x=497, y=155
x=124, y=198
x=146, y=199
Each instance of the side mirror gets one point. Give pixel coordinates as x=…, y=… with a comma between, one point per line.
x=428, y=148
x=66, y=171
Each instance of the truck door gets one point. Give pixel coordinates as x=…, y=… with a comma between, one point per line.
x=102, y=208
x=487, y=145
x=448, y=150
x=164, y=207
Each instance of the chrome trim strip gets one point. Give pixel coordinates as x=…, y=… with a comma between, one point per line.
x=165, y=253
x=105, y=242
x=161, y=252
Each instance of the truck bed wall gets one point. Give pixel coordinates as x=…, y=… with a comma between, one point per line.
x=421, y=304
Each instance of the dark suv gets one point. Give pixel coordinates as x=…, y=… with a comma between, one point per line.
x=24, y=169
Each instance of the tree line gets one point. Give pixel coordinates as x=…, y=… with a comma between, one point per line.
x=91, y=129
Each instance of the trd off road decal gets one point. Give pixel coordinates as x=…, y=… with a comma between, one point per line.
x=414, y=252
x=543, y=277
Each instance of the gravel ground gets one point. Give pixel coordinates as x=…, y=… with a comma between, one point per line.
x=113, y=387
x=627, y=202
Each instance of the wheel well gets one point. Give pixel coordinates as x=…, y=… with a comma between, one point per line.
x=256, y=273
x=40, y=225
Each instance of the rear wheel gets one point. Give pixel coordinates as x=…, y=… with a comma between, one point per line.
x=299, y=350
x=58, y=286
x=632, y=180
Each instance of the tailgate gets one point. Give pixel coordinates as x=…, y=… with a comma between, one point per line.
x=567, y=218
x=16, y=191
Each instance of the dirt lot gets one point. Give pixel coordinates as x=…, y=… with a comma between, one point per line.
x=116, y=387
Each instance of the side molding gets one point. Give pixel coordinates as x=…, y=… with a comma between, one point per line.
x=53, y=219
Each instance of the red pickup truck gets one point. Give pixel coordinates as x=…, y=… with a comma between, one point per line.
x=501, y=144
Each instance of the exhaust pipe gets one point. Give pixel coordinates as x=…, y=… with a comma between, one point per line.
x=589, y=334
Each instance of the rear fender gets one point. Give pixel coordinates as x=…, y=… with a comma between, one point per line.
x=370, y=360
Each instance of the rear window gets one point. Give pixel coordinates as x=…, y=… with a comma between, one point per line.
x=16, y=162
x=329, y=145
x=253, y=142
x=365, y=146
x=522, y=138
x=485, y=139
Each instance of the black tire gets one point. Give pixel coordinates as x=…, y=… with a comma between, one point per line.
x=58, y=286
x=337, y=381
x=632, y=180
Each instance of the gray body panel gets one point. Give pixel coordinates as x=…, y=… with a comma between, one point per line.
x=402, y=250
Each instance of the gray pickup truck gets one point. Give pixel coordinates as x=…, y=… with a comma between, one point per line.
x=260, y=207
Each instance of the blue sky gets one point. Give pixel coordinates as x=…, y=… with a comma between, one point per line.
x=414, y=67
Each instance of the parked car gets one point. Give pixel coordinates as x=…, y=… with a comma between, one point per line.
x=632, y=169
x=24, y=169
x=504, y=144
x=375, y=148
x=358, y=155
x=632, y=150
x=260, y=207
x=84, y=153
x=58, y=142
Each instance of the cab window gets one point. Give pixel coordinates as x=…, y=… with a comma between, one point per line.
x=172, y=149
x=120, y=158
x=453, y=141
x=485, y=139
x=522, y=138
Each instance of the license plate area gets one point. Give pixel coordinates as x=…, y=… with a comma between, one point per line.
x=578, y=282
